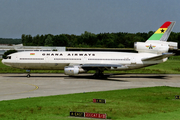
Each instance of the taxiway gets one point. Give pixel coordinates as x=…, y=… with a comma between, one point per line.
x=16, y=86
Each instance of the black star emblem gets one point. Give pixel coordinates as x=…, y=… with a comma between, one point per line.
x=162, y=31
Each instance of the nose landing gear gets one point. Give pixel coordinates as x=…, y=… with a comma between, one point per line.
x=28, y=75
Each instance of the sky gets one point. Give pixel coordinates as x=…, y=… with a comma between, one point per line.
x=32, y=17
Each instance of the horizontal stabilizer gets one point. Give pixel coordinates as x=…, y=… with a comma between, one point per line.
x=159, y=57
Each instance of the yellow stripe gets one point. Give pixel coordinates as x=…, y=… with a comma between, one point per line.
x=161, y=30
x=36, y=87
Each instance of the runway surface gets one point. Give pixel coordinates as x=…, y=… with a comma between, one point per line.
x=16, y=86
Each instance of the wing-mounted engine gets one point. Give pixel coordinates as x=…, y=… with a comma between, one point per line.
x=73, y=70
x=155, y=47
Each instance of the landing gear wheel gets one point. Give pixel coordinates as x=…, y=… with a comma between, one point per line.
x=99, y=74
x=28, y=75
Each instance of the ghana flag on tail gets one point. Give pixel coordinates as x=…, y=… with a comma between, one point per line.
x=163, y=32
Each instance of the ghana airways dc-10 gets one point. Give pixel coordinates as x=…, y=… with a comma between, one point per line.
x=153, y=51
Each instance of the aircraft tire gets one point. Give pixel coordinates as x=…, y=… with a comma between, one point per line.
x=28, y=75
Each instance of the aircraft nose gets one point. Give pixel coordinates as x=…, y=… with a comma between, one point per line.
x=2, y=61
x=5, y=62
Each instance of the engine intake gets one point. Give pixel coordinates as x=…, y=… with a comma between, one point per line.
x=73, y=70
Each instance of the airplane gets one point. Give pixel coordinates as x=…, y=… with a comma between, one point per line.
x=151, y=52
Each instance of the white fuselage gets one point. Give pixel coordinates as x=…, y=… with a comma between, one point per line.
x=57, y=60
x=151, y=52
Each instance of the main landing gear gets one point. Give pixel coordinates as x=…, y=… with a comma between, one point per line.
x=28, y=75
x=99, y=74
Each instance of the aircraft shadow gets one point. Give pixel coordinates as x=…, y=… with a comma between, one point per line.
x=38, y=76
x=154, y=76
x=92, y=77
x=114, y=77
x=107, y=77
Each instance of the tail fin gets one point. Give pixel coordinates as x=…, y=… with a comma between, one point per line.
x=157, y=43
x=162, y=34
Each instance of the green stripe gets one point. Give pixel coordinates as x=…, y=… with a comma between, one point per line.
x=156, y=36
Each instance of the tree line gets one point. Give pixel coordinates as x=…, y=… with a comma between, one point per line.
x=88, y=39
x=10, y=41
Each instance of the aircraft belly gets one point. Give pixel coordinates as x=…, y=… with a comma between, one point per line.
x=41, y=66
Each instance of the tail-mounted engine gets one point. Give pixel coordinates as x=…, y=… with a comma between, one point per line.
x=73, y=70
x=155, y=47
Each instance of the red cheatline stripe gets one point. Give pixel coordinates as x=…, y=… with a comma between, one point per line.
x=166, y=24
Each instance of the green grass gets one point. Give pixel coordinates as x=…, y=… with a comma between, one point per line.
x=131, y=104
x=171, y=66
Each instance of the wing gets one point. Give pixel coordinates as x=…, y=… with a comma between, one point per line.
x=105, y=66
x=159, y=57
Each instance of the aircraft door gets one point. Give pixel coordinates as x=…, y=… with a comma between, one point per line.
x=133, y=60
x=84, y=60
x=16, y=58
x=46, y=59
x=16, y=61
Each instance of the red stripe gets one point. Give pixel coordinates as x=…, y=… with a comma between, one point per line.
x=166, y=24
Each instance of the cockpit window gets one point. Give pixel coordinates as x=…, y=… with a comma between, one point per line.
x=8, y=57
